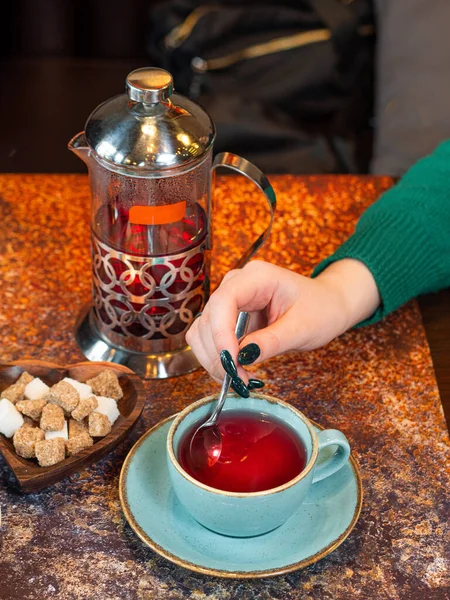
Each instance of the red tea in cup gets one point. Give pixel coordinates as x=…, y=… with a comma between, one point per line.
x=259, y=452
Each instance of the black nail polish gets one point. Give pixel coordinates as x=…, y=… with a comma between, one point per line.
x=228, y=363
x=248, y=354
x=255, y=384
x=240, y=388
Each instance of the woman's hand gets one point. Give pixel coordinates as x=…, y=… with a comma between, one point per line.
x=287, y=311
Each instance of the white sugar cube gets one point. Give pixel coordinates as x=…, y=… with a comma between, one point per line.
x=10, y=418
x=83, y=389
x=108, y=407
x=36, y=389
x=62, y=433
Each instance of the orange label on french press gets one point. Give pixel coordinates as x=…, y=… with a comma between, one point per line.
x=157, y=215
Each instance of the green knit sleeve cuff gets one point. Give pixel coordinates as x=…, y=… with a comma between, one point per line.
x=399, y=263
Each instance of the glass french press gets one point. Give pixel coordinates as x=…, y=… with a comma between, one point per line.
x=149, y=155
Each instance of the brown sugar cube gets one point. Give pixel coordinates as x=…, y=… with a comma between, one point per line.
x=31, y=408
x=52, y=418
x=106, y=384
x=15, y=392
x=25, y=378
x=84, y=408
x=99, y=425
x=78, y=443
x=64, y=395
x=50, y=452
x=25, y=439
x=77, y=428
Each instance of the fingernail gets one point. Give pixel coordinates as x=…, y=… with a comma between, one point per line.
x=255, y=384
x=228, y=364
x=240, y=388
x=249, y=354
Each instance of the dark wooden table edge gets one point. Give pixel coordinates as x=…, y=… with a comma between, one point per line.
x=435, y=310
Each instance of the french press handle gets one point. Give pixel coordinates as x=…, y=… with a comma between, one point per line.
x=249, y=170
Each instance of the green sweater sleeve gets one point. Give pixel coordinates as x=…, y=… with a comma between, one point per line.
x=404, y=237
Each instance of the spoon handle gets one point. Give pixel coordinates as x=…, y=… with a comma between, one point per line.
x=241, y=330
x=242, y=325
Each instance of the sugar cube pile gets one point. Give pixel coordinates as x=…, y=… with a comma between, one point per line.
x=51, y=423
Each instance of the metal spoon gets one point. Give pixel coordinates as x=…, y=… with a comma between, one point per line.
x=206, y=443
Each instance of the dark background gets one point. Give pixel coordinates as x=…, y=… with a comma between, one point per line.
x=58, y=60
x=109, y=29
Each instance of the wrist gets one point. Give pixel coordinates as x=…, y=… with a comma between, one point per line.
x=355, y=288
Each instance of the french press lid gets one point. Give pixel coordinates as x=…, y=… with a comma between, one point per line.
x=149, y=128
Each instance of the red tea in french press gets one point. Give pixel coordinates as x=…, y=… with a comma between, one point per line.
x=149, y=155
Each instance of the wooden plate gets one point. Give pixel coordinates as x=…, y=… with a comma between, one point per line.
x=30, y=476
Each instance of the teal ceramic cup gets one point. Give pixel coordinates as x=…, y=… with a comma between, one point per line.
x=249, y=514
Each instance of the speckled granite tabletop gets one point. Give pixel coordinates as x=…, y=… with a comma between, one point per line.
x=376, y=384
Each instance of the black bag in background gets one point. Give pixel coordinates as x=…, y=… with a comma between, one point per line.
x=289, y=85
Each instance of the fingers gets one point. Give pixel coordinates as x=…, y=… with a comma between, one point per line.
x=229, y=276
x=245, y=291
x=204, y=350
x=199, y=337
x=211, y=355
x=249, y=289
x=279, y=337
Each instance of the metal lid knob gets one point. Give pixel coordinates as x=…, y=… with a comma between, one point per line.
x=149, y=85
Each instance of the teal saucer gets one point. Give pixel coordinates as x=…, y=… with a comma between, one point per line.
x=318, y=527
